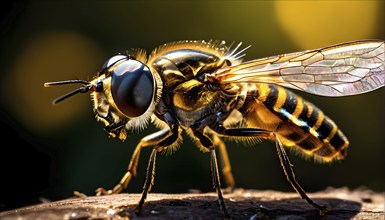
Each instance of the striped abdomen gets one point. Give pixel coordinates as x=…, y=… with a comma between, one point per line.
x=296, y=122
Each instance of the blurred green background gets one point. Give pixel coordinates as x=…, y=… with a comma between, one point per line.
x=50, y=151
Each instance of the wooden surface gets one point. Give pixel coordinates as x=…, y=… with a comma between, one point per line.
x=242, y=204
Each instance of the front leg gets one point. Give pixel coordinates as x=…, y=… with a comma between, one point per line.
x=158, y=138
x=168, y=141
x=149, y=182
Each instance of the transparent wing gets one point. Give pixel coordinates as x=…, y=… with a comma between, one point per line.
x=340, y=70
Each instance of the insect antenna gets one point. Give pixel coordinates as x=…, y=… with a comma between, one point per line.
x=87, y=87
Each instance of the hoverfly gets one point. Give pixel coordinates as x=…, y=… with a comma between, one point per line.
x=207, y=90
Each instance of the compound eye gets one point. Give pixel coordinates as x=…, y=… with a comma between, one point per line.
x=132, y=87
x=110, y=62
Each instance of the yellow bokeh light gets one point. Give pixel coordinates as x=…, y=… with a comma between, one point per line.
x=320, y=23
x=51, y=56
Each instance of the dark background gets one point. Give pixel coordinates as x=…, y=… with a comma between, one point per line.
x=50, y=151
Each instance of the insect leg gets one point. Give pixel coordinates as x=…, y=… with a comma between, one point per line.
x=149, y=140
x=149, y=180
x=225, y=165
x=163, y=140
x=284, y=160
x=287, y=168
x=206, y=142
x=216, y=181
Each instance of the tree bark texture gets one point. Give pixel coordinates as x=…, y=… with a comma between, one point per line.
x=241, y=204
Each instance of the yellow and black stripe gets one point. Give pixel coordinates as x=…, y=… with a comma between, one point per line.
x=302, y=124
